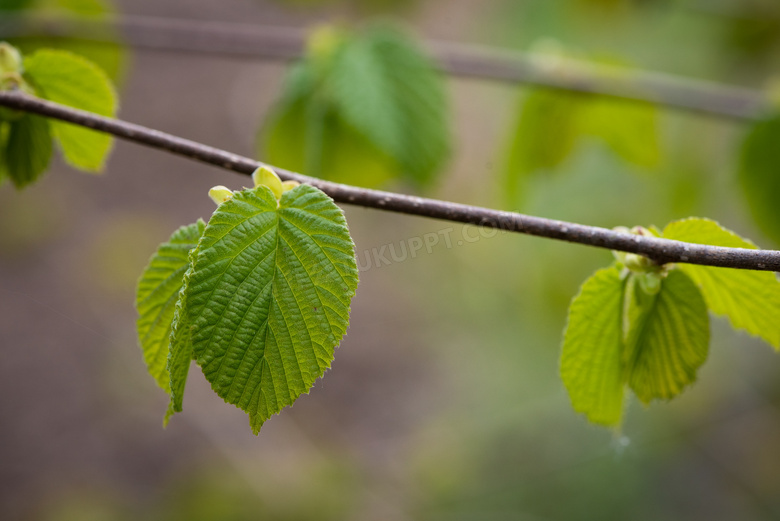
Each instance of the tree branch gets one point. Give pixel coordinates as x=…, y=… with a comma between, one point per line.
x=659, y=250
x=252, y=41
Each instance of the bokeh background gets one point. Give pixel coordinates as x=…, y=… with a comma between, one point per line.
x=444, y=401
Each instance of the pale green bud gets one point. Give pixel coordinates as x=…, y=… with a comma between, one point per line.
x=10, y=58
x=289, y=185
x=266, y=177
x=220, y=194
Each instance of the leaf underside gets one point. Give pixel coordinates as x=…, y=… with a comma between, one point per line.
x=750, y=299
x=268, y=297
x=617, y=335
x=673, y=343
x=156, y=297
x=591, y=366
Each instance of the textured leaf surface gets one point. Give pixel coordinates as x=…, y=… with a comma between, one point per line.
x=156, y=297
x=759, y=174
x=65, y=78
x=591, y=358
x=268, y=298
x=371, y=108
x=750, y=299
x=28, y=149
x=673, y=342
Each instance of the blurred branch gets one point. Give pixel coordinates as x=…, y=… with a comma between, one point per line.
x=660, y=250
x=252, y=41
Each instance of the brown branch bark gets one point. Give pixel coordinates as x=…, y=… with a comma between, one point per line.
x=661, y=251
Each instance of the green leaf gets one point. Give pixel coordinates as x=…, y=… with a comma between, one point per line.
x=638, y=303
x=156, y=297
x=759, y=174
x=390, y=91
x=180, y=353
x=361, y=109
x=109, y=55
x=65, y=78
x=334, y=151
x=673, y=341
x=268, y=298
x=592, y=348
x=750, y=299
x=629, y=128
x=545, y=134
x=28, y=149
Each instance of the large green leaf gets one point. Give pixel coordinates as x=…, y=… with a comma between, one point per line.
x=28, y=149
x=268, y=297
x=750, y=299
x=156, y=297
x=591, y=357
x=673, y=341
x=759, y=174
x=362, y=109
x=65, y=78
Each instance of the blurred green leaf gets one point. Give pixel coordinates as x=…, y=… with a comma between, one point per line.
x=551, y=123
x=28, y=149
x=365, y=107
x=629, y=128
x=65, y=78
x=156, y=296
x=336, y=152
x=673, y=342
x=108, y=56
x=545, y=134
x=759, y=174
x=268, y=298
x=750, y=299
x=591, y=366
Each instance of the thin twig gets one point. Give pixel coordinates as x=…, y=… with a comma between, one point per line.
x=660, y=250
x=252, y=41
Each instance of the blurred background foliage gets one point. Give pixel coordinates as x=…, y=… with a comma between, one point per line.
x=444, y=401
x=111, y=57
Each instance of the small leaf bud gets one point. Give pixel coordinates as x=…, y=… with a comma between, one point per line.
x=220, y=194
x=289, y=185
x=10, y=58
x=267, y=177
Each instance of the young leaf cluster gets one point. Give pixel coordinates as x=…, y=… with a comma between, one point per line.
x=646, y=327
x=361, y=108
x=259, y=297
x=26, y=140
